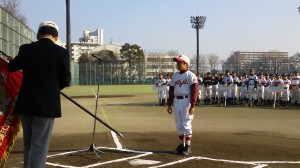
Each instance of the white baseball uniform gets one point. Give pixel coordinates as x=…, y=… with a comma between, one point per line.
x=261, y=88
x=286, y=91
x=295, y=80
x=182, y=83
x=161, y=93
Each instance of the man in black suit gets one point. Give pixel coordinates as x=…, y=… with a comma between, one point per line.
x=46, y=71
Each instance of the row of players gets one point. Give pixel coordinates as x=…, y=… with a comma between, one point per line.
x=259, y=84
x=218, y=88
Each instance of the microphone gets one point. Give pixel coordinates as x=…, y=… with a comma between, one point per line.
x=97, y=57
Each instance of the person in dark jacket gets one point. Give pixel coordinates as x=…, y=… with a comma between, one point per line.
x=46, y=71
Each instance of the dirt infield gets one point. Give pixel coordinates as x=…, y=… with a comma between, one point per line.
x=232, y=136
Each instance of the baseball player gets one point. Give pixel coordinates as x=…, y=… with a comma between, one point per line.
x=260, y=92
x=295, y=80
x=215, y=88
x=161, y=93
x=207, y=82
x=183, y=94
x=221, y=92
x=286, y=92
x=228, y=83
x=266, y=88
x=243, y=88
x=252, y=85
x=200, y=81
x=278, y=82
x=168, y=80
x=234, y=92
x=270, y=94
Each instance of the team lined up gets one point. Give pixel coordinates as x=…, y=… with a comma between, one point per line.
x=258, y=88
x=230, y=89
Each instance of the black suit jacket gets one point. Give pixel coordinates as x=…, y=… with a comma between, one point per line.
x=46, y=70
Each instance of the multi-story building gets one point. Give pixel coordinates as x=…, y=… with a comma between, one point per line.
x=92, y=36
x=159, y=61
x=90, y=40
x=271, y=62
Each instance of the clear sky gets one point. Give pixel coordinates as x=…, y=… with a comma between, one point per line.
x=231, y=25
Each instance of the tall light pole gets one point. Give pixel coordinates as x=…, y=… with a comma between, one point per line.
x=68, y=23
x=198, y=23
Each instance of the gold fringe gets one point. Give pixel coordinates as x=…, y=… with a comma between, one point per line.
x=10, y=143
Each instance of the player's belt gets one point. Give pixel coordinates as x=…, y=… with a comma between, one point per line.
x=181, y=97
x=295, y=85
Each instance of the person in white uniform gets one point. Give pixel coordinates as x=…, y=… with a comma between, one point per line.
x=161, y=93
x=183, y=94
x=295, y=80
x=286, y=92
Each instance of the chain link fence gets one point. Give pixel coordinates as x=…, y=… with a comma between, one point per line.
x=107, y=74
x=117, y=74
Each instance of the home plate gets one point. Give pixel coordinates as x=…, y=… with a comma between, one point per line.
x=136, y=162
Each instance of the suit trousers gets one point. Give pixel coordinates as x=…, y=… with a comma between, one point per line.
x=37, y=133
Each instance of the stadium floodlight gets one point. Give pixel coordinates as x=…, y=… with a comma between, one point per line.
x=198, y=23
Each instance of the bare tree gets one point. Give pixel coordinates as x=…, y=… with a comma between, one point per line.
x=213, y=61
x=13, y=7
x=202, y=63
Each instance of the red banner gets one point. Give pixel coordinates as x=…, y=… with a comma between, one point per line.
x=10, y=83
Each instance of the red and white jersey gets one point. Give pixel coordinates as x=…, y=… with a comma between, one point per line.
x=277, y=82
x=182, y=82
x=295, y=80
x=261, y=82
x=286, y=83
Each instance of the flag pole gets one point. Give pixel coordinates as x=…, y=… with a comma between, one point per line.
x=4, y=54
x=91, y=114
x=84, y=109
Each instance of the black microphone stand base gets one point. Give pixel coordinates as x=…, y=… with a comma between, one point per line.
x=92, y=148
x=96, y=151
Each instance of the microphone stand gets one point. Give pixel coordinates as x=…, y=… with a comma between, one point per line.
x=92, y=148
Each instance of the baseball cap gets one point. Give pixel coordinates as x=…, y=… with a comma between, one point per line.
x=49, y=23
x=182, y=58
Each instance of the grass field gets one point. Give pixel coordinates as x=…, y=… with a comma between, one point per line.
x=108, y=90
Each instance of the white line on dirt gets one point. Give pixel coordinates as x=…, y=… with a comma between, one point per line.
x=140, y=154
x=113, y=134
x=116, y=140
x=257, y=164
x=261, y=166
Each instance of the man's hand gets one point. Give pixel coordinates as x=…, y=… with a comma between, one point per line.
x=191, y=110
x=169, y=110
x=9, y=58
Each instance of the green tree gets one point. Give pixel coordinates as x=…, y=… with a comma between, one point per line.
x=132, y=55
